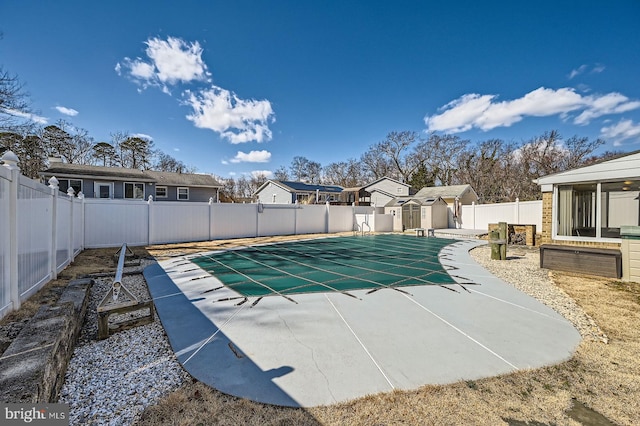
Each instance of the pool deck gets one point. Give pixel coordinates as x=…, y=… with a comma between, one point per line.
x=329, y=347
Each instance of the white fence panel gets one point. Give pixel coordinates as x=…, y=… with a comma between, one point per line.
x=383, y=222
x=234, y=221
x=518, y=213
x=277, y=219
x=530, y=213
x=110, y=223
x=34, y=225
x=311, y=219
x=178, y=222
x=63, y=231
x=78, y=226
x=341, y=218
x=5, y=241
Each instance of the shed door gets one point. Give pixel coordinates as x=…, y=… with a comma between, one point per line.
x=410, y=216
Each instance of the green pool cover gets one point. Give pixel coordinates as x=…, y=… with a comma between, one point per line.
x=329, y=265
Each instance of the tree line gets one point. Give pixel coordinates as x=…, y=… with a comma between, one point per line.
x=74, y=145
x=499, y=171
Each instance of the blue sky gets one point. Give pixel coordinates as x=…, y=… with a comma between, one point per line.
x=236, y=87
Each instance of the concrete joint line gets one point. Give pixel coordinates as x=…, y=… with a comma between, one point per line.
x=360, y=342
x=464, y=334
x=517, y=306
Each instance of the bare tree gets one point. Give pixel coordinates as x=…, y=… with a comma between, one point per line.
x=377, y=165
x=440, y=155
x=304, y=170
x=483, y=166
x=14, y=104
x=399, y=148
x=281, y=174
x=347, y=174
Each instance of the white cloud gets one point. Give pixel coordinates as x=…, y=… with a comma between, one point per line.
x=622, y=131
x=611, y=103
x=168, y=62
x=173, y=61
x=26, y=115
x=224, y=162
x=237, y=120
x=595, y=69
x=67, y=111
x=483, y=112
x=577, y=71
x=259, y=173
x=252, y=157
x=142, y=136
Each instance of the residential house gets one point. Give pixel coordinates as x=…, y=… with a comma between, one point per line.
x=385, y=189
x=287, y=192
x=584, y=211
x=134, y=184
x=455, y=196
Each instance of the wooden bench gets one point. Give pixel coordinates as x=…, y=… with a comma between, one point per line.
x=584, y=260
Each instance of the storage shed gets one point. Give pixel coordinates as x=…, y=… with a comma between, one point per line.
x=411, y=213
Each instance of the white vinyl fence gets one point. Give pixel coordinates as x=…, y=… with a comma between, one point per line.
x=479, y=216
x=109, y=223
x=39, y=233
x=42, y=229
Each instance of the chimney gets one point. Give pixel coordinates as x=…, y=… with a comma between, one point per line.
x=55, y=159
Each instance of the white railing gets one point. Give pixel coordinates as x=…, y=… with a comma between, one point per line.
x=479, y=216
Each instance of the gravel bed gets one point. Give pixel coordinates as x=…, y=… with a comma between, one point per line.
x=111, y=381
x=522, y=270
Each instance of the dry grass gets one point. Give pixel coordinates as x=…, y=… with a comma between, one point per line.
x=602, y=376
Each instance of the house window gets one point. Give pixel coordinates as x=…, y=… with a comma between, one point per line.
x=597, y=210
x=183, y=193
x=161, y=192
x=65, y=184
x=134, y=191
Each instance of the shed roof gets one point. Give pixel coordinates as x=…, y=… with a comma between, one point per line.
x=400, y=201
x=450, y=191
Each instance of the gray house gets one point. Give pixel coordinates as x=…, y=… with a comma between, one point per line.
x=287, y=192
x=134, y=184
